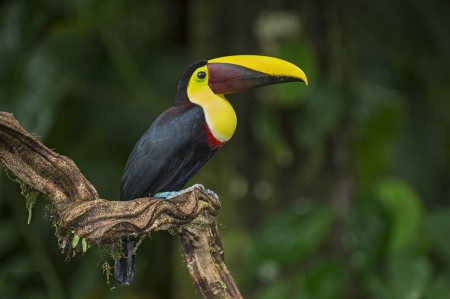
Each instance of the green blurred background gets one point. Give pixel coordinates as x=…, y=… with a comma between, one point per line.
x=336, y=190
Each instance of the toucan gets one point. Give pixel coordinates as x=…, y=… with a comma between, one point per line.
x=184, y=137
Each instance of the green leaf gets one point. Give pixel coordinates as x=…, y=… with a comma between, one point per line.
x=75, y=240
x=325, y=280
x=440, y=288
x=378, y=114
x=278, y=290
x=405, y=211
x=437, y=228
x=408, y=276
x=84, y=244
x=293, y=234
x=367, y=235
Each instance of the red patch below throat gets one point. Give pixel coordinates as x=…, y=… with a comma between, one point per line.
x=213, y=143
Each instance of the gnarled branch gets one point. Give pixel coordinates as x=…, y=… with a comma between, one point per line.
x=77, y=207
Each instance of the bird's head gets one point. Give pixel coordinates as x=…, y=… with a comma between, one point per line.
x=207, y=81
x=232, y=74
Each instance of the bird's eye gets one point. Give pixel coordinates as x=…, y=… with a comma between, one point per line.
x=201, y=75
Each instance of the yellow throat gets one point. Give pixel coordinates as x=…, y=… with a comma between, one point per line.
x=219, y=114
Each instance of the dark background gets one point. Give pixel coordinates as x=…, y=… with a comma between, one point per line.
x=336, y=190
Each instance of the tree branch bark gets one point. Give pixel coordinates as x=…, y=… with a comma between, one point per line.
x=79, y=212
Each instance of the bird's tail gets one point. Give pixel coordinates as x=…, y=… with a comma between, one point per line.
x=124, y=267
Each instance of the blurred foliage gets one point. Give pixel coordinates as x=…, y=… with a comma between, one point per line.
x=89, y=76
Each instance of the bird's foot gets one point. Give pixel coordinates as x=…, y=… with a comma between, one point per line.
x=164, y=195
x=170, y=194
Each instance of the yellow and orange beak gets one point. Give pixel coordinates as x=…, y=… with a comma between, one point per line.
x=233, y=74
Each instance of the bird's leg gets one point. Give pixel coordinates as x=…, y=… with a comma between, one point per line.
x=170, y=194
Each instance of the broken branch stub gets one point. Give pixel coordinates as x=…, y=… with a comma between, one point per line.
x=77, y=207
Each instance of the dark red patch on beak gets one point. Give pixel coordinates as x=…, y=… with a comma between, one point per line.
x=226, y=78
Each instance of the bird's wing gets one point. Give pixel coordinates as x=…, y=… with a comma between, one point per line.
x=158, y=156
